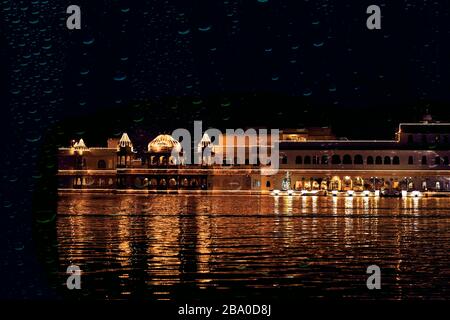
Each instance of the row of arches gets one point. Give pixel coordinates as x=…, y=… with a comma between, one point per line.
x=163, y=182
x=90, y=181
x=359, y=160
x=357, y=183
x=334, y=183
x=308, y=160
x=153, y=182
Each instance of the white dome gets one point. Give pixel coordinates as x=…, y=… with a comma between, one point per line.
x=164, y=143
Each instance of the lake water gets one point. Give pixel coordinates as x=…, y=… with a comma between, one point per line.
x=215, y=247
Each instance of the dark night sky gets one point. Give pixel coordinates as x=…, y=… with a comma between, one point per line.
x=160, y=64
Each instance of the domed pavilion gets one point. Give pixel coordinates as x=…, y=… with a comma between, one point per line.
x=164, y=151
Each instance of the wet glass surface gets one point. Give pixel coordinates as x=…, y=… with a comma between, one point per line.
x=175, y=247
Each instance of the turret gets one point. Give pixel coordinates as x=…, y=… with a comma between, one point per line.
x=125, y=152
x=79, y=149
x=205, y=150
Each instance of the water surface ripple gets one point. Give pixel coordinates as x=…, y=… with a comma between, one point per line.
x=174, y=247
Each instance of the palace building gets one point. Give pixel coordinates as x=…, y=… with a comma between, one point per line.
x=310, y=160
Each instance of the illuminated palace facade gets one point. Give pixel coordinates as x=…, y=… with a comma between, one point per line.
x=310, y=160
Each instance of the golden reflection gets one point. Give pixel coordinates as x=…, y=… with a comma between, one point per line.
x=276, y=204
x=406, y=204
x=335, y=205
x=288, y=203
x=166, y=240
x=348, y=209
x=305, y=204
x=415, y=206
x=124, y=241
x=75, y=231
x=348, y=221
x=314, y=200
x=203, y=248
x=158, y=244
x=397, y=247
x=366, y=205
x=376, y=205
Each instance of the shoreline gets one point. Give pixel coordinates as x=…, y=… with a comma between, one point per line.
x=424, y=194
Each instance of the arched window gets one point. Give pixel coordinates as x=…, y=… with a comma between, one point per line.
x=347, y=159
x=437, y=161
x=193, y=182
x=101, y=164
x=268, y=184
x=396, y=160
x=410, y=160
x=378, y=160
x=336, y=159
x=369, y=160
x=324, y=159
x=307, y=160
x=387, y=160
x=359, y=159
x=298, y=160
x=424, y=160
x=284, y=159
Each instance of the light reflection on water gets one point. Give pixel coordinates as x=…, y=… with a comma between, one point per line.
x=168, y=246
